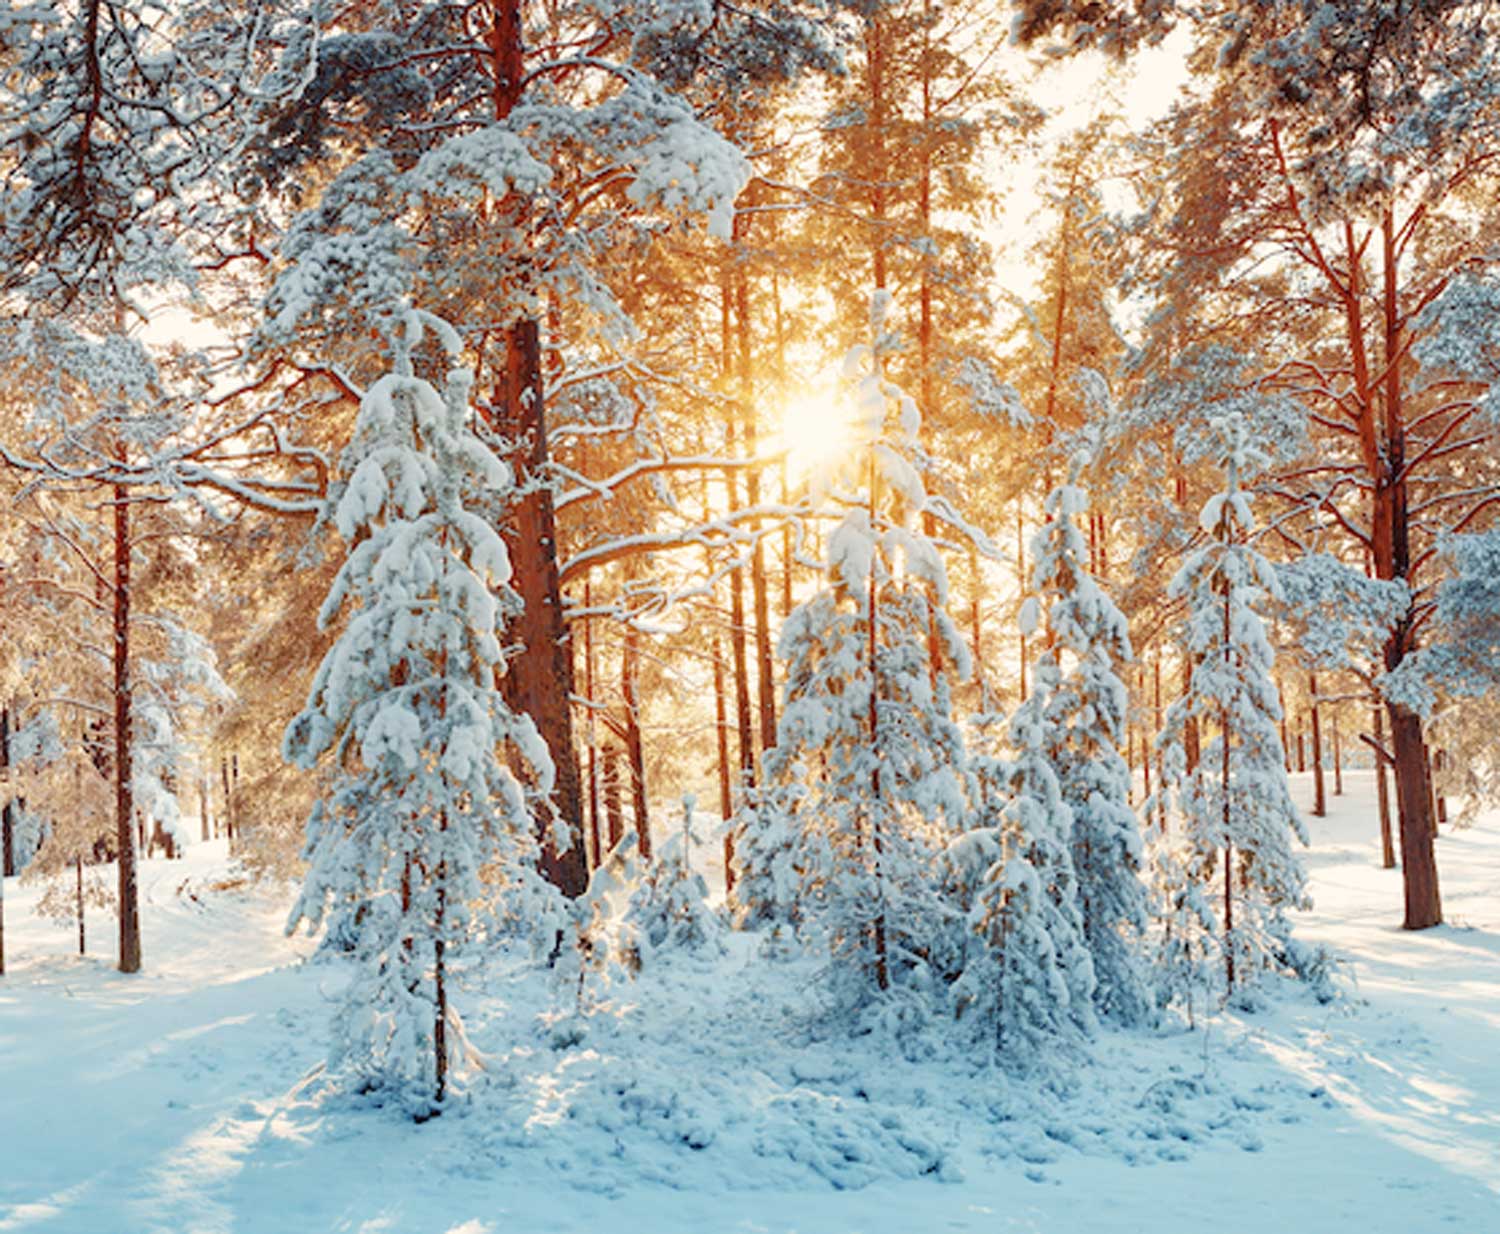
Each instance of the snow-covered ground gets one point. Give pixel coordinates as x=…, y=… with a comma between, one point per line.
x=709, y=1096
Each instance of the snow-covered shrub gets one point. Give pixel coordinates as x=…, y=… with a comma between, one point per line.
x=1027, y=982
x=668, y=909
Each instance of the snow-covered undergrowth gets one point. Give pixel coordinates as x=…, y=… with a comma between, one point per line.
x=719, y=1094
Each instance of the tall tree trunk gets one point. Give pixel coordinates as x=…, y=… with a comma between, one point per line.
x=736, y=577
x=634, y=751
x=7, y=821
x=1384, y=448
x=976, y=632
x=1338, y=758
x=591, y=726
x=1320, y=800
x=1156, y=717
x=78, y=887
x=129, y=902
x=1224, y=735
x=539, y=681
x=1382, y=793
x=1286, y=736
x=879, y=170
x=614, y=813
x=1021, y=589
x=765, y=672
x=926, y=328
x=1190, y=746
x=877, y=806
x=721, y=742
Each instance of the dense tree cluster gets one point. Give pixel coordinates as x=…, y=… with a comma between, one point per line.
x=629, y=391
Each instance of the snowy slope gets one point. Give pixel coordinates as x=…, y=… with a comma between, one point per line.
x=708, y=1096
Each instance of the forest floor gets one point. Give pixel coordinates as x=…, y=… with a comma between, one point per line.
x=711, y=1095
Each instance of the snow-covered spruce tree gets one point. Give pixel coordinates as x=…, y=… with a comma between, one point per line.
x=1028, y=980
x=668, y=909
x=407, y=705
x=1233, y=812
x=1085, y=721
x=866, y=783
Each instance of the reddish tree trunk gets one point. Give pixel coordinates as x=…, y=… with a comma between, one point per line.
x=634, y=751
x=1338, y=759
x=129, y=903
x=1383, y=795
x=614, y=813
x=539, y=681
x=877, y=809
x=1320, y=800
x=591, y=728
x=721, y=741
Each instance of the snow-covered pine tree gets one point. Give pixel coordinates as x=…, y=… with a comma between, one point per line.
x=1234, y=810
x=1027, y=976
x=407, y=705
x=866, y=782
x=1085, y=721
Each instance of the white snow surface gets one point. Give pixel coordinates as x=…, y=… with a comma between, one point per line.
x=710, y=1095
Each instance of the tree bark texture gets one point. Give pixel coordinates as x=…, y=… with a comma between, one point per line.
x=539, y=681
x=129, y=903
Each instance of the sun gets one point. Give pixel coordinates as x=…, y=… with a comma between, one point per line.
x=816, y=435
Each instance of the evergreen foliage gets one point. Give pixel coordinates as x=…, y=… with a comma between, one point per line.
x=407, y=709
x=1234, y=817
x=866, y=782
x=1085, y=716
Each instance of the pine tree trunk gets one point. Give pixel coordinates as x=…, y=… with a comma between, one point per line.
x=1338, y=759
x=129, y=902
x=737, y=641
x=614, y=812
x=591, y=729
x=1190, y=746
x=976, y=633
x=7, y=828
x=1418, y=861
x=228, y=802
x=721, y=741
x=634, y=751
x=1286, y=736
x=879, y=171
x=539, y=682
x=877, y=808
x=1384, y=449
x=926, y=342
x=1383, y=794
x=1224, y=735
x=1320, y=800
x=765, y=670
x=440, y=1010
x=1156, y=714
x=78, y=874
x=1021, y=589
x=1440, y=803
x=1427, y=771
